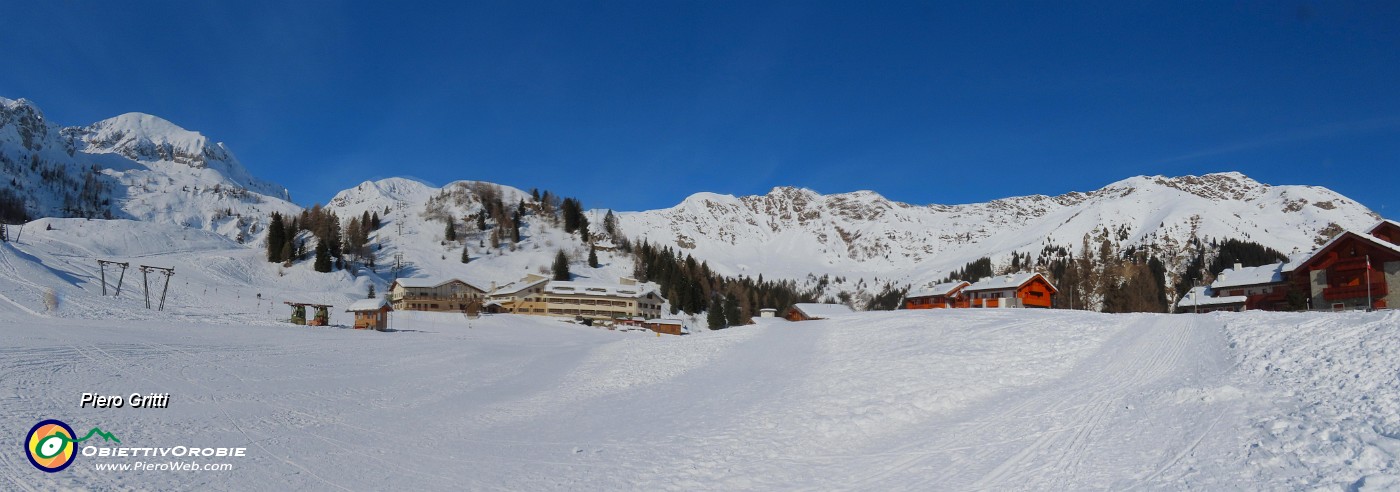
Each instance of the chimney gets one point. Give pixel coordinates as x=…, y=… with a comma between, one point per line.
x=1239, y=266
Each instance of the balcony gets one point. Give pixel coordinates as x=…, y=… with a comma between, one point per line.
x=1378, y=289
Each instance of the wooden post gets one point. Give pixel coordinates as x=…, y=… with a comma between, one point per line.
x=102, y=267
x=121, y=277
x=145, y=285
x=168, y=274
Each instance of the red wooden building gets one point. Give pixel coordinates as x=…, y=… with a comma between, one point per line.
x=1351, y=270
x=1022, y=290
x=939, y=296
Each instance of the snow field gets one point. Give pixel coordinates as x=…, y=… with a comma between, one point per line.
x=960, y=399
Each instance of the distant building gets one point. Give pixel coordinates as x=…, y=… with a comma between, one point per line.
x=1203, y=300
x=810, y=311
x=667, y=326
x=509, y=298
x=434, y=294
x=1353, y=270
x=596, y=301
x=938, y=296
x=1021, y=290
x=1262, y=287
x=371, y=314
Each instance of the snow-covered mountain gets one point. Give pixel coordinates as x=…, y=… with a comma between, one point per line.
x=414, y=217
x=133, y=166
x=791, y=232
x=141, y=167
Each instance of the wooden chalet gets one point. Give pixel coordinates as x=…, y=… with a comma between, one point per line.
x=813, y=311
x=1021, y=290
x=667, y=326
x=1387, y=230
x=371, y=314
x=1352, y=270
x=1204, y=300
x=435, y=294
x=938, y=296
x=1262, y=287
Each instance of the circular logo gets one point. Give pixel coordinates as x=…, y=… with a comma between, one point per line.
x=50, y=446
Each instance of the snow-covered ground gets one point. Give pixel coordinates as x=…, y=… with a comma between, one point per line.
x=968, y=399
x=973, y=399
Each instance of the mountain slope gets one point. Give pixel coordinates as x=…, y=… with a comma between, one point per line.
x=133, y=166
x=790, y=232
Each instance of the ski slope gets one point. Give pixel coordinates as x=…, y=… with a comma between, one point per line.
x=971, y=399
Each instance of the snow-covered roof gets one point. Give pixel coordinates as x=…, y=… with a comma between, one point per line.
x=1381, y=223
x=367, y=305
x=430, y=282
x=1201, y=296
x=814, y=310
x=942, y=289
x=1364, y=237
x=1003, y=282
x=1257, y=275
x=518, y=286
x=596, y=289
x=660, y=321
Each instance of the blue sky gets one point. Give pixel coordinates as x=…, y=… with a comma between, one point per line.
x=634, y=105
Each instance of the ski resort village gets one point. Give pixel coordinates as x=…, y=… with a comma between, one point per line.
x=1196, y=332
x=699, y=246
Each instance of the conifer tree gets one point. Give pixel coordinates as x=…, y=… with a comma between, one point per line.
x=561, y=266
x=515, y=225
x=451, y=232
x=371, y=292
x=610, y=224
x=466, y=258
x=714, y=316
x=276, y=236
x=731, y=311
x=592, y=256
x=323, y=257
x=374, y=221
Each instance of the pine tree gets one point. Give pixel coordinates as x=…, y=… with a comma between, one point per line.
x=451, y=232
x=481, y=222
x=731, y=311
x=592, y=256
x=714, y=316
x=610, y=224
x=515, y=224
x=323, y=257
x=561, y=266
x=276, y=236
x=569, y=208
x=466, y=258
x=374, y=221
x=288, y=252
x=371, y=292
